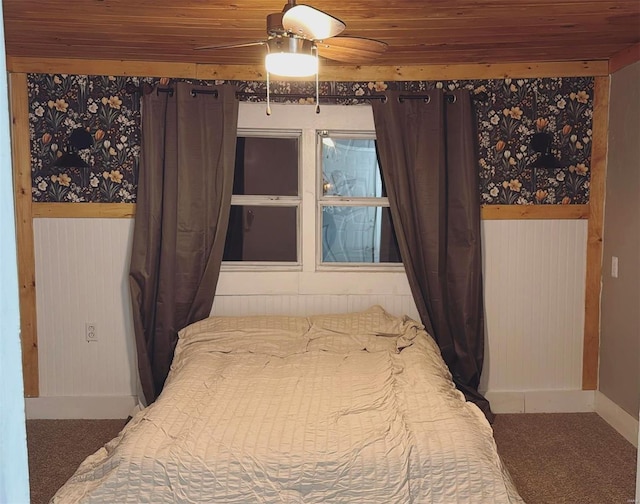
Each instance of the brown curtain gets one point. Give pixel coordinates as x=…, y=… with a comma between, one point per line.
x=427, y=153
x=182, y=212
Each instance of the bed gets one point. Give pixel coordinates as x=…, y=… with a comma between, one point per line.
x=349, y=408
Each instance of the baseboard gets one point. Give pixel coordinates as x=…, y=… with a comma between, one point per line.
x=80, y=407
x=618, y=418
x=541, y=401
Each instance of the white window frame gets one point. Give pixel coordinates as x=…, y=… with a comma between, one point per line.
x=308, y=275
x=271, y=200
x=326, y=201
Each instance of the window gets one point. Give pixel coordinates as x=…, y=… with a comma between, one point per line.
x=308, y=197
x=354, y=219
x=263, y=222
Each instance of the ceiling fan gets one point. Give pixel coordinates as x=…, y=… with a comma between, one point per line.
x=302, y=30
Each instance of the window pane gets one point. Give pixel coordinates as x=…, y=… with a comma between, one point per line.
x=266, y=166
x=261, y=233
x=358, y=235
x=350, y=168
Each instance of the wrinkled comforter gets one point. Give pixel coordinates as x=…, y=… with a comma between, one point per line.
x=329, y=409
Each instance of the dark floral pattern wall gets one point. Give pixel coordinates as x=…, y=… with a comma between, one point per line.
x=509, y=113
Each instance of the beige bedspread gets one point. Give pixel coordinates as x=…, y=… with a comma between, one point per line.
x=329, y=409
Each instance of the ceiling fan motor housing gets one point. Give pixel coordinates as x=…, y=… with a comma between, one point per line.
x=290, y=45
x=274, y=24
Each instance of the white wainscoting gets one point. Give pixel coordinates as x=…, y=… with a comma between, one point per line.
x=534, y=297
x=81, y=276
x=311, y=304
x=534, y=276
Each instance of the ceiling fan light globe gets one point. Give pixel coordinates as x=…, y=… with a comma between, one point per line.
x=291, y=57
x=291, y=64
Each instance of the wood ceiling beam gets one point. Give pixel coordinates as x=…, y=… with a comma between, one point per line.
x=623, y=58
x=327, y=73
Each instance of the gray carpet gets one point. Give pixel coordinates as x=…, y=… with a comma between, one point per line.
x=572, y=458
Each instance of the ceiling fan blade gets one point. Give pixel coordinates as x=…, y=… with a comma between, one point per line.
x=311, y=23
x=233, y=46
x=351, y=49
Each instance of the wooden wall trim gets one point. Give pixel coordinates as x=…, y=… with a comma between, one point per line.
x=21, y=158
x=327, y=72
x=108, y=67
x=518, y=212
x=128, y=210
x=84, y=210
x=624, y=58
x=26, y=210
x=593, y=277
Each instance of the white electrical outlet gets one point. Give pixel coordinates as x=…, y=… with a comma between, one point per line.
x=90, y=331
x=614, y=266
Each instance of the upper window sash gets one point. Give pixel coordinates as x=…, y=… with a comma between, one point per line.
x=338, y=178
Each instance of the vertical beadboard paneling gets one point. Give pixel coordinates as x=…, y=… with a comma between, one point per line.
x=81, y=276
x=534, y=297
x=311, y=304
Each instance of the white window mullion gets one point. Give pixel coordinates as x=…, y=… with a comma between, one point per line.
x=308, y=174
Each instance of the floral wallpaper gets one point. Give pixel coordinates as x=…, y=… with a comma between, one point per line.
x=510, y=112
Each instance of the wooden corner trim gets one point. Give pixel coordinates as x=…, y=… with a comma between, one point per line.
x=593, y=275
x=21, y=159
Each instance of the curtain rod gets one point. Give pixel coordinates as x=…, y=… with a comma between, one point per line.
x=240, y=94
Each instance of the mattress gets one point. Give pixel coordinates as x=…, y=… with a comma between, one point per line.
x=327, y=409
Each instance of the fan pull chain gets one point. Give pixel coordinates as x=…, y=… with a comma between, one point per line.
x=317, y=85
x=268, y=97
x=317, y=95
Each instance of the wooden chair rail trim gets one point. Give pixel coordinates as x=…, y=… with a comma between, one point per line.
x=84, y=210
x=127, y=210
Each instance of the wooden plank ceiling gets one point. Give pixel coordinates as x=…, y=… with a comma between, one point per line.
x=418, y=32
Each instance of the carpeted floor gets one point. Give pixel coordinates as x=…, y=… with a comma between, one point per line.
x=575, y=458
x=572, y=458
x=56, y=448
